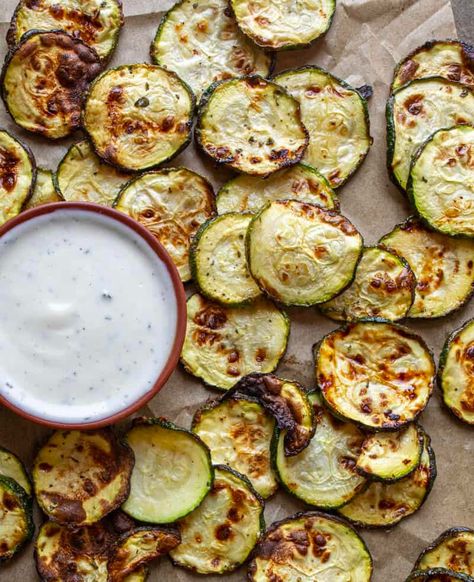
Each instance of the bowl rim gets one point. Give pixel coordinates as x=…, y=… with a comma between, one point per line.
x=179, y=294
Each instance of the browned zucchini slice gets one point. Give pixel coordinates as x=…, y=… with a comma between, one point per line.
x=437, y=575
x=16, y=518
x=453, y=549
x=12, y=467
x=44, y=191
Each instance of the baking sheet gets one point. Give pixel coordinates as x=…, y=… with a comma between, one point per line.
x=366, y=40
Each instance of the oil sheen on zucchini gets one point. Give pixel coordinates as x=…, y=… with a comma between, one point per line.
x=220, y=534
x=172, y=204
x=12, y=467
x=453, y=549
x=44, y=191
x=301, y=254
x=223, y=344
x=375, y=373
x=443, y=267
x=138, y=116
x=337, y=119
x=16, y=518
x=252, y=125
x=317, y=545
x=437, y=575
x=172, y=472
x=201, y=42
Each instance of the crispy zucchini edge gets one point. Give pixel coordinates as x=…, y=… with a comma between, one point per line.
x=446, y=535
x=27, y=506
x=427, y=575
x=25, y=147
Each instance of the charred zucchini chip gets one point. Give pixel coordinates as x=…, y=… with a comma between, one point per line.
x=172, y=473
x=79, y=477
x=172, y=204
x=453, y=549
x=377, y=374
x=437, y=575
x=238, y=434
x=223, y=344
x=44, y=79
x=138, y=116
x=284, y=25
x=12, y=467
x=311, y=546
x=201, y=42
x=323, y=475
x=443, y=267
x=300, y=182
x=44, y=191
x=416, y=111
x=16, y=518
x=252, y=125
x=220, y=534
x=301, y=254
x=337, y=119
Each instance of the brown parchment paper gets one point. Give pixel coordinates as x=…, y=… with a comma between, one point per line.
x=366, y=40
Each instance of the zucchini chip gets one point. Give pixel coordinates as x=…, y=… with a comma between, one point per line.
x=138, y=116
x=456, y=372
x=201, y=42
x=384, y=286
x=79, y=477
x=300, y=182
x=312, y=546
x=301, y=254
x=323, y=475
x=375, y=373
x=172, y=473
x=416, y=111
x=12, y=467
x=443, y=267
x=223, y=344
x=219, y=536
x=239, y=434
x=437, y=575
x=172, y=204
x=218, y=261
x=337, y=119
x=284, y=25
x=16, y=518
x=441, y=182
x=44, y=80
x=252, y=125
x=453, y=549
x=44, y=191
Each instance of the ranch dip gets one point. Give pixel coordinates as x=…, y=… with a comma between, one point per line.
x=88, y=316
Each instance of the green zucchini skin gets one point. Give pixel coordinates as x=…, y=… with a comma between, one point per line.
x=439, y=541
x=26, y=504
x=437, y=575
x=25, y=477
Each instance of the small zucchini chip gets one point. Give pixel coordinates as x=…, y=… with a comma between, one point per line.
x=16, y=518
x=301, y=254
x=251, y=125
x=284, y=25
x=172, y=474
x=223, y=344
x=79, y=477
x=12, y=467
x=220, y=534
x=375, y=373
x=443, y=267
x=44, y=191
x=201, y=42
x=453, y=550
x=44, y=80
x=323, y=475
x=251, y=193
x=416, y=111
x=239, y=434
x=437, y=575
x=138, y=116
x=337, y=119
x=311, y=546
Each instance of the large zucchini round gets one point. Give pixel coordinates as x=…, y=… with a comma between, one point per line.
x=453, y=549
x=138, y=116
x=12, y=467
x=301, y=254
x=44, y=191
x=437, y=575
x=16, y=518
x=252, y=125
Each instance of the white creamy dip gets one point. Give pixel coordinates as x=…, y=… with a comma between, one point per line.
x=87, y=316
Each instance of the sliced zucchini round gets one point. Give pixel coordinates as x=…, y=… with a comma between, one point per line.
x=220, y=534
x=201, y=42
x=437, y=575
x=16, y=518
x=238, y=434
x=337, y=119
x=417, y=110
x=44, y=191
x=311, y=546
x=375, y=373
x=138, y=116
x=284, y=24
x=79, y=477
x=453, y=549
x=251, y=193
x=252, y=125
x=323, y=475
x=172, y=473
x=301, y=254
x=223, y=344
x=443, y=267
x=12, y=467
x=383, y=286
x=44, y=80
x=172, y=204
